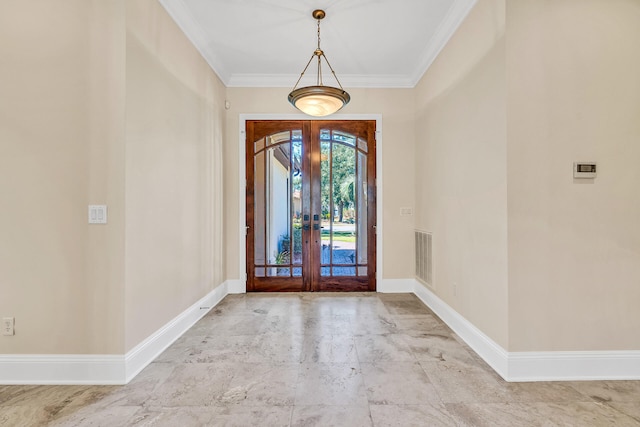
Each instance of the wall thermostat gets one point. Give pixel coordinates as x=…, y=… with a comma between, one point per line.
x=584, y=169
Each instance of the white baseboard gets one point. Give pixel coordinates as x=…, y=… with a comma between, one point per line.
x=399, y=286
x=535, y=366
x=512, y=366
x=237, y=286
x=144, y=353
x=62, y=369
x=104, y=369
x=574, y=365
x=489, y=350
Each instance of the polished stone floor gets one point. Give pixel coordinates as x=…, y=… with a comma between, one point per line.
x=361, y=359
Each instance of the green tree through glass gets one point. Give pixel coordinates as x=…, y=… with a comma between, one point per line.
x=344, y=168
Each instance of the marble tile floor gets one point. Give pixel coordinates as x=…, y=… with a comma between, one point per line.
x=363, y=359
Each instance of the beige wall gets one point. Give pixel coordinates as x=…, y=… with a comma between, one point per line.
x=461, y=188
x=107, y=102
x=175, y=119
x=104, y=103
x=61, y=148
x=541, y=262
x=396, y=107
x=574, y=247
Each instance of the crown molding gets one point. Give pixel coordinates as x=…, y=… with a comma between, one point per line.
x=180, y=14
x=447, y=28
x=348, y=81
x=186, y=22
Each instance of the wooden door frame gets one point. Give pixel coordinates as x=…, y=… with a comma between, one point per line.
x=243, y=118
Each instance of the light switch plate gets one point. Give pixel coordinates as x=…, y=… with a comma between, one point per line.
x=8, y=326
x=97, y=214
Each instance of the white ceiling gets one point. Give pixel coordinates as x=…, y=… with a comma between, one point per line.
x=369, y=43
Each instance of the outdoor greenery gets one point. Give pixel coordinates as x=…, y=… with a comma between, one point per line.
x=343, y=160
x=297, y=239
x=344, y=169
x=339, y=236
x=282, y=257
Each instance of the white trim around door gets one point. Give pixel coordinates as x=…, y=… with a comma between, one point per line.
x=242, y=181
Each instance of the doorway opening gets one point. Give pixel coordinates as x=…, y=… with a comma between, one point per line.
x=310, y=205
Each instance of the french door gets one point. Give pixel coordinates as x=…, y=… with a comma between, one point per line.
x=311, y=205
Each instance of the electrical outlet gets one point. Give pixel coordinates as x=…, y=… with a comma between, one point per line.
x=8, y=326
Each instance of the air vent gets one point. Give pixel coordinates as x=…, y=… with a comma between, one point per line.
x=424, y=257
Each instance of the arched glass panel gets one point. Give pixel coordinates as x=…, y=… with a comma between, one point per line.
x=277, y=197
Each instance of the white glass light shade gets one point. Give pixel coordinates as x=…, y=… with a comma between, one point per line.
x=319, y=101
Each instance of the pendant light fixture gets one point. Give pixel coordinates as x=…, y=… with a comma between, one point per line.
x=319, y=100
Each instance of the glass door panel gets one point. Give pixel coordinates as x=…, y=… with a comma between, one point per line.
x=274, y=206
x=310, y=214
x=344, y=188
x=338, y=178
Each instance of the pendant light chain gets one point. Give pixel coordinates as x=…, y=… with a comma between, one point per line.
x=327, y=61
x=320, y=54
